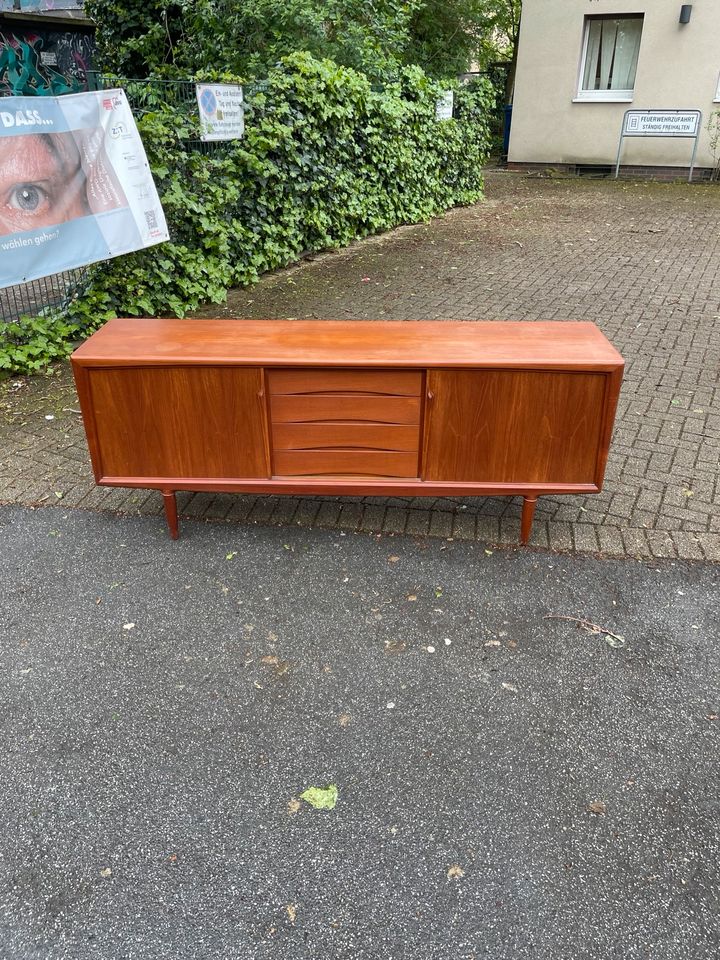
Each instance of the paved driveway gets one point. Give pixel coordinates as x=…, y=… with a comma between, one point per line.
x=640, y=259
x=511, y=787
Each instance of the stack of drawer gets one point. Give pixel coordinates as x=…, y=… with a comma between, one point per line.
x=345, y=422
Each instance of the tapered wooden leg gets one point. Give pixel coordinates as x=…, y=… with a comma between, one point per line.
x=528, y=512
x=171, y=512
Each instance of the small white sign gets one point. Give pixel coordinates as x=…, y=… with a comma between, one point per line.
x=222, y=114
x=661, y=123
x=444, y=106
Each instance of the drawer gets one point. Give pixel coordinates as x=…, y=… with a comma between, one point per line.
x=358, y=463
x=326, y=436
x=301, y=408
x=393, y=383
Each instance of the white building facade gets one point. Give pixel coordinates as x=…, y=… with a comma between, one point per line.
x=583, y=63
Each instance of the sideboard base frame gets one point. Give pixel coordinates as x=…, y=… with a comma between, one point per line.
x=351, y=488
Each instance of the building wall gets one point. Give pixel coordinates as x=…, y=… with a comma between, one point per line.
x=678, y=67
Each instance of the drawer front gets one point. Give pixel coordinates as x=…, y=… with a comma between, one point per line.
x=356, y=463
x=392, y=383
x=344, y=434
x=301, y=408
x=363, y=423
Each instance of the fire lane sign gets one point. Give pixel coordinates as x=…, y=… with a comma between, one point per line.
x=661, y=123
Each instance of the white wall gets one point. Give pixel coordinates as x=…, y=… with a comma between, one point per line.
x=678, y=67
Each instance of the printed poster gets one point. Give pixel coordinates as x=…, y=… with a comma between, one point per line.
x=75, y=184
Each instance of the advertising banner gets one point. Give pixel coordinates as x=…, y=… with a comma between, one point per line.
x=222, y=114
x=75, y=184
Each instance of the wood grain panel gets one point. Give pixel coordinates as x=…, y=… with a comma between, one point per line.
x=344, y=406
x=359, y=343
x=368, y=463
x=179, y=422
x=399, y=383
x=501, y=426
x=377, y=436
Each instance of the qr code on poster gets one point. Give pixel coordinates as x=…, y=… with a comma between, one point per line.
x=151, y=219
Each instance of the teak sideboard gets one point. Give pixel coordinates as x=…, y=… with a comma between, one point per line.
x=387, y=408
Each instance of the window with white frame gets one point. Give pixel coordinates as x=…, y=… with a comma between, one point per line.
x=610, y=55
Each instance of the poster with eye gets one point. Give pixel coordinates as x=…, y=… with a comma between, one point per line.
x=75, y=184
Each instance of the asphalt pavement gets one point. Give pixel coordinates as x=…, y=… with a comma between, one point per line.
x=512, y=782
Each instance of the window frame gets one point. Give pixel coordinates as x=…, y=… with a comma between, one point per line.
x=604, y=96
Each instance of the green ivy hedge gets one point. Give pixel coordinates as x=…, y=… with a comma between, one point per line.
x=325, y=159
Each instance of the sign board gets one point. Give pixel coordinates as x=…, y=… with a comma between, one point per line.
x=661, y=123
x=444, y=106
x=75, y=184
x=222, y=115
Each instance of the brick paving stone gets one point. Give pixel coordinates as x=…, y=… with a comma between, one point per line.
x=242, y=507
x=441, y=524
x=611, y=541
x=350, y=516
x=306, y=512
x=636, y=542
x=285, y=510
x=710, y=545
x=464, y=526
x=328, y=514
x=560, y=535
x=650, y=281
x=395, y=520
x=488, y=529
x=262, y=509
x=197, y=506
x=372, y=518
x=585, y=538
x=687, y=546
x=418, y=522
x=219, y=507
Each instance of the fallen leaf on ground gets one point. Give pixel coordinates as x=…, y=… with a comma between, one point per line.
x=395, y=646
x=106, y=872
x=280, y=666
x=411, y=597
x=229, y=556
x=511, y=687
x=393, y=559
x=455, y=872
x=128, y=626
x=344, y=719
x=291, y=912
x=293, y=805
x=597, y=807
x=612, y=639
x=321, y=798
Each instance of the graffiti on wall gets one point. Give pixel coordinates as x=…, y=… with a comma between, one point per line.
x=44, y=63
x=34, y=6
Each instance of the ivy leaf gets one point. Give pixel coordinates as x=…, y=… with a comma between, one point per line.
x=321, y=798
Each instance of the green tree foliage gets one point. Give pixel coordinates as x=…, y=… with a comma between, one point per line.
x=447, y=36
x=369, y=37
x=248, y=37
x=136, y=37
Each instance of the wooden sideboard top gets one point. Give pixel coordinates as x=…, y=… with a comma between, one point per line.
x=558, y=345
